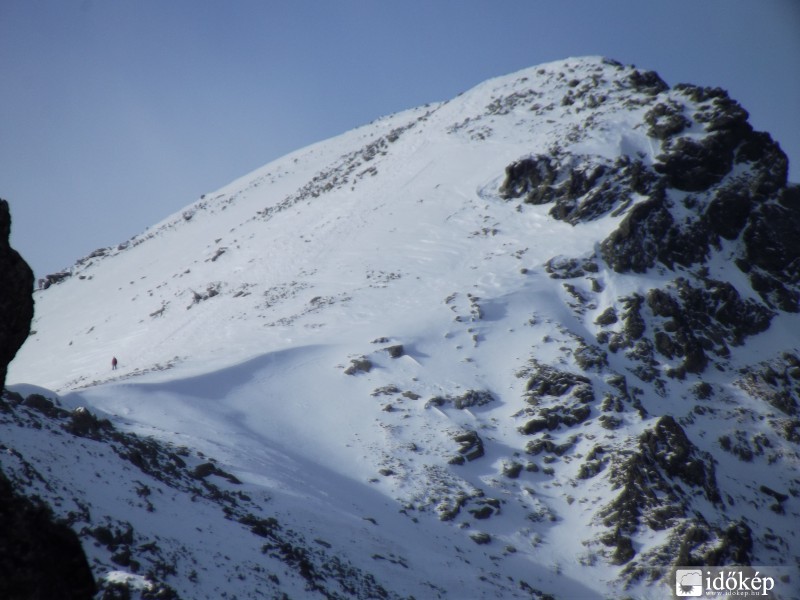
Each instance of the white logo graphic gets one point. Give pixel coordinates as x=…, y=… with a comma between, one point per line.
x=689, y=582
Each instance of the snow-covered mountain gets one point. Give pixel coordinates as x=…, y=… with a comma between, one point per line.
x=537, y=341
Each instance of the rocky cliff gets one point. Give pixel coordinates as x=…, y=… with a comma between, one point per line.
x=16, y=296
x=40, y=558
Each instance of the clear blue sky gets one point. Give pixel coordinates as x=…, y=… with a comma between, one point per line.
x=116, y=113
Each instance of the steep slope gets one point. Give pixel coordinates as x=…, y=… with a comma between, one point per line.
x=543, y=336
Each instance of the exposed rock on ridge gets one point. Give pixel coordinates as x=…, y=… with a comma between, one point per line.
x=727, y=183
x=714, y=190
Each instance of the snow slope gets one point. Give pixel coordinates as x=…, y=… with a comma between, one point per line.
x=354, y=335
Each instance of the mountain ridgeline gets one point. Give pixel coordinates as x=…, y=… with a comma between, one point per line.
x=551, y=323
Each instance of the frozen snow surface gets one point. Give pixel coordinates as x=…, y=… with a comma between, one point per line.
x=526, y=343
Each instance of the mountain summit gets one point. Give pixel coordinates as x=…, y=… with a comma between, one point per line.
x=536, y=341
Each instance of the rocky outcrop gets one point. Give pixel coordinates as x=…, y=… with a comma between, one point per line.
x=771, y=255
x=16, y=296
x=469, y=399
x=581, y=188
x=730, y=183
x=713, y=195
x=724, y=187
x=655, y=482
x=776, y=382
x=704, y=197
x=557, y=398
x=470, y=447
x=723, y=190
x=39, y=558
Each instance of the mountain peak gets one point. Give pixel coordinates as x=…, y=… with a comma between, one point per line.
x=554, y=312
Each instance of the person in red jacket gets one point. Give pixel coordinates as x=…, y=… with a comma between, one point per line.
x=114, y=363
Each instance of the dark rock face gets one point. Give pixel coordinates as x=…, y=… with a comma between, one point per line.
x=469, y=399
x=776, y=382
x=16, y=296
x=727, y=184
x=582, y=188
x=672, y=450
x=693, y=166
x=666, y=120
x=694, y=542
x=703, y=321
x=43, y=405
x=472, y=398
x=694, y=321
x=647, y=495
x=637, y=243
x=39, y=558
x=557, y=398
x=359, y=365
x=647, y=82
x=722, y=188
x=772, y=250
x=470, y=445
x=548, y=381
x=713, y=198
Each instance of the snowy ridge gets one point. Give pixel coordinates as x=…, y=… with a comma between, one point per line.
x=525, y=343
